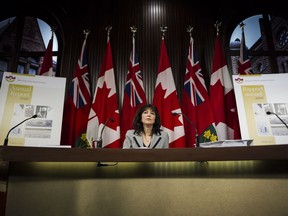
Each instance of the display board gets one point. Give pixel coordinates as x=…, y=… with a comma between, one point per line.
x=24, y=96
x=255, y=96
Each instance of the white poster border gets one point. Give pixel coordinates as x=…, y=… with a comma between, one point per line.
x=22, y=96
x=255, y=96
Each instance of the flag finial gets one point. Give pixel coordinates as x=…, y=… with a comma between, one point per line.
x=242, y=25
x=108, y=29
x=53, y=29
x=133, y=30
x=86, y=32
x=189, y=30
x=163, y=30
x=217, y=26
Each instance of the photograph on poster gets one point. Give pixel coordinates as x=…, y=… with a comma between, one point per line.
x=40, y=127
x=270, y=125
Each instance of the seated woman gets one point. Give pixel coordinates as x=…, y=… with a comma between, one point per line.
x=146, y=132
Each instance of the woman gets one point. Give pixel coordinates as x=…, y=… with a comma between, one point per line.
x=146, y=132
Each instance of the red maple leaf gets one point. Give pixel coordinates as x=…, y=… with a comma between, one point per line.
x=166, y=107
x=106, y=107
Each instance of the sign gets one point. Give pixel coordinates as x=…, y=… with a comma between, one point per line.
x=255, y=96
x=21, y=97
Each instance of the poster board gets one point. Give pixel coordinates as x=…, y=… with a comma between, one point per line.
x=255, y=96
x=22, y=96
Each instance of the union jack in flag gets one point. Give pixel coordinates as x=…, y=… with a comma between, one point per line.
x=134, y=94
x=190, y=86
x=80, y=86
x=77, y=104
x=196, y=106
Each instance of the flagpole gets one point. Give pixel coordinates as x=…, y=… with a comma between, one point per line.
x=167, y=105
x=53, y=29
x=105, y=106
x=226, y=118
x=189, y=30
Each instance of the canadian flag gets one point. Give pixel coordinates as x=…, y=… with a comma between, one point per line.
x=222, y=97
x=104, y=120
x=167, y=102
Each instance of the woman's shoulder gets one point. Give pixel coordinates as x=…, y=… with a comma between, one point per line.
x=164, y=133
x=130, y=132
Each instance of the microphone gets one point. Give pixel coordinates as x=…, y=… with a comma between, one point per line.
x=99, y=142
x=270, y=113
x=193, y=125
x=6, y=139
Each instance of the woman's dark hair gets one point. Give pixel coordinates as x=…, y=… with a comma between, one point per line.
x=137, y=123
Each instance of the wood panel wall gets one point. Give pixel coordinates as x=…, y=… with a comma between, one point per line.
x=147, y=17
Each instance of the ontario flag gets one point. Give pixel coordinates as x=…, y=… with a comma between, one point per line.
x=134, y=94
x=104, y=120
x=77, y=105
x=167, y=102
x=244, y=61
x=222, y=97
x=196, y=104
x=46, y=68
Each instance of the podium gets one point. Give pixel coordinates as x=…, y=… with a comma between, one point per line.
x=61, y=176
x=47, y=154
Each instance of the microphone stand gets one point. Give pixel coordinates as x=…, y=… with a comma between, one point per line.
x=196, y=131
x=269, y=113
x=6, y=139
x=100, y=140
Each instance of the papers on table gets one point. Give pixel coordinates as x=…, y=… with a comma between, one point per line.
x=226, y=143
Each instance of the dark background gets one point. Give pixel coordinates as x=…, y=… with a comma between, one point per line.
x=71, y=18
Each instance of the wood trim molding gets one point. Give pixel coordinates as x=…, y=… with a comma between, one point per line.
x=48, y=154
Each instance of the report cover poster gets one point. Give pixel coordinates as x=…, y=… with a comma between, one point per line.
x=21, y=97
x=255, y=96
